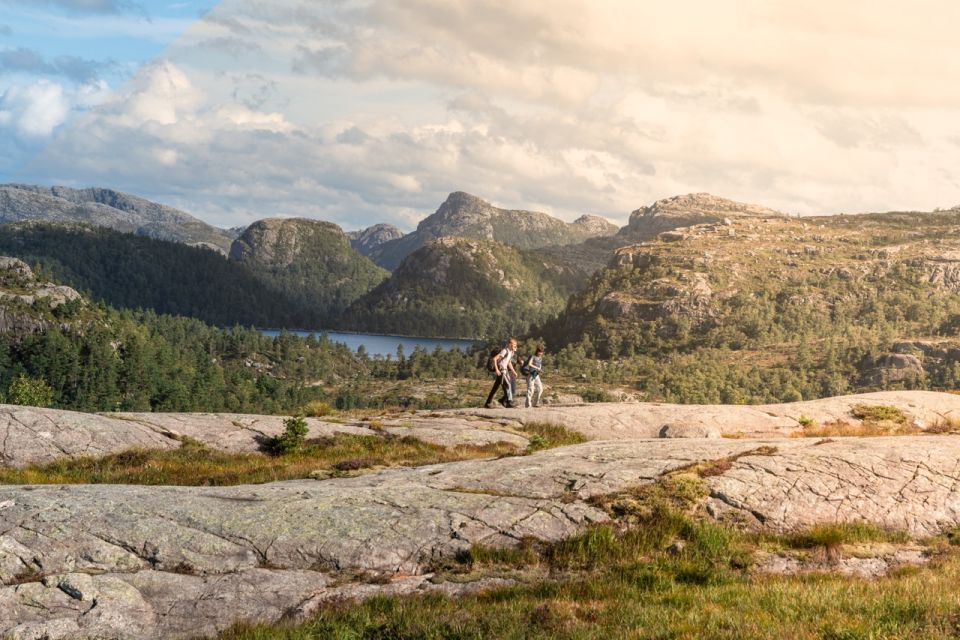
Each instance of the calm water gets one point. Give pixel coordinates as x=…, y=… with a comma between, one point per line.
x=384, y=345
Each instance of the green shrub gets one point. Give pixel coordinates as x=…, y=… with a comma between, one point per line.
x=806, y=421
x=537, y=442
x=291, y=440
x=596, y=395
x=317, y=409
x=30, y=392
x=878, y=413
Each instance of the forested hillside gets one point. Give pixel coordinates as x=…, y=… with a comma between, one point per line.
x=456, y=287
x=135, y=272
x=761, y=309
x=311, y=263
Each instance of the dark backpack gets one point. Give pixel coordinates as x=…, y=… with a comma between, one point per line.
x=492, y=360
x=525, y=368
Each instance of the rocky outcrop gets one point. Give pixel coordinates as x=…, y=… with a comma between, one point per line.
x=628, y=421
x=25, y=302
x=108, y=208
x=31, y=435
x=167, y=562
x=467, y=216
x=367, y=240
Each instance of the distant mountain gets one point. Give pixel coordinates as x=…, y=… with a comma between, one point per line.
x=310, y=262
x=586, y=258
x=764, y=283
x=460, y=287
x=367, y=240
x=112, y=209
x=467, y=216
x=686, y=210
x=134, y=272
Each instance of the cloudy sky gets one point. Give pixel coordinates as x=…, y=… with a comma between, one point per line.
x=360, y=111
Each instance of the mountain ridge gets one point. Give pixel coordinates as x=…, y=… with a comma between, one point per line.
x=109, y=208
x=468, y=216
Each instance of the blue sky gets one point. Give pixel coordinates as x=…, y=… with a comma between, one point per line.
x=365, y=111
x=81, y=49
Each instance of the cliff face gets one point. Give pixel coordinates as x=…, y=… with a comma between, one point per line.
x=108, y=208
x=467, y=216
x=310, y=262
x=460, y=287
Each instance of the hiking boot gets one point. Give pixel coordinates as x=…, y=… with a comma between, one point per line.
x=489, y=405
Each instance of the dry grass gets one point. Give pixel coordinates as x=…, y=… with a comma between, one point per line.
x=874, y=420
x=842, y=428
x=196, y=465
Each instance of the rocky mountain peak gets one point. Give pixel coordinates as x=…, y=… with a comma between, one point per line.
x=705, y=204
x=468, y=216
x=595, y=225
x=688, y=210
x=366, y=240
x=278, y=241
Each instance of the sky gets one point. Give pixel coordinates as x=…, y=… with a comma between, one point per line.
x=365, y=111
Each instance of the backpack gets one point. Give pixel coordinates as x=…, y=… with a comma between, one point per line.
x=525, y=368
x=492, y=360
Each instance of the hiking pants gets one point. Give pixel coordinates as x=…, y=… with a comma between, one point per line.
x=502, y=380
x=534, y=391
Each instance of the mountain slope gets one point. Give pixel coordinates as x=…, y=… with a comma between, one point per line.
x=310, y=262
x=870, y=299
x=464, y=215
x=367, y=240
x=134, y=272
x=460, y=287
x=108, y=208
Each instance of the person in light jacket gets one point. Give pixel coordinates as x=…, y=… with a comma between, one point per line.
x=506, y=375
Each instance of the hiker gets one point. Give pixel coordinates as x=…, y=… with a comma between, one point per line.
x=533, y=368
x=506, y=375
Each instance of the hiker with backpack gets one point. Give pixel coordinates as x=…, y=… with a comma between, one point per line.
x=501, y=365
x=533, y=368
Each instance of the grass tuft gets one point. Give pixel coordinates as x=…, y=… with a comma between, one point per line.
x=547, y=435
x=196, y=465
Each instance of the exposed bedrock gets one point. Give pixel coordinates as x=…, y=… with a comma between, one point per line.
x=143, y=562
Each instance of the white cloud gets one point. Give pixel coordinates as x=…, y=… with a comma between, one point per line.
x=34, y=110
x=362, y=111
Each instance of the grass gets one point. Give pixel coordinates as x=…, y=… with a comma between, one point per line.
x=547, y=435
x=196, y=465
x=878, y=413
x=875, y=420
x=643, y=600
x=657, y=571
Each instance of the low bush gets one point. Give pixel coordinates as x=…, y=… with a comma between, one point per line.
x=317, y=409
x=291, y=440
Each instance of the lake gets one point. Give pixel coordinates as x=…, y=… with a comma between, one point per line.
x=383, y=345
